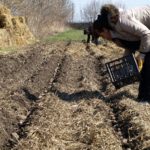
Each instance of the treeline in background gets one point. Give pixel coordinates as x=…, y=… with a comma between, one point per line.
x=45, y=17
x=42, y=16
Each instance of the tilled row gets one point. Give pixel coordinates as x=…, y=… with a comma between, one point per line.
x=129, y=118
x=134, y=123
x=82, y=124
x=73, y=113
x=22, y=132
x=23, y=88
x=74, y=107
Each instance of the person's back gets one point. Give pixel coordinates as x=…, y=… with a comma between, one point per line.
x=134, y=25
x=140, y=13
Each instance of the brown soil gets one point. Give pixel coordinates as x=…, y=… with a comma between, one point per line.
x=58, y=97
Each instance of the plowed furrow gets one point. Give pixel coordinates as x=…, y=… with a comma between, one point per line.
x=60, y=97
x=81, y=122
x=24, y=95
x=121, y=119
x=77, y=125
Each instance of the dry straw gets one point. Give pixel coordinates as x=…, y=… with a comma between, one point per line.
x=13, y=29
x=79, y=125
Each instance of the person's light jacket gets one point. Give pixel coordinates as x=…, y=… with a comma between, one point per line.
x=134, y=25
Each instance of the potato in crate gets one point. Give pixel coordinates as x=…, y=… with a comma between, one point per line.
x=123, y=71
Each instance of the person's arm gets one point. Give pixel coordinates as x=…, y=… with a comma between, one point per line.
x=134, y=27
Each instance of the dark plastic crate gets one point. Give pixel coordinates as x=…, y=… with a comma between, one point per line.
x=123, y=71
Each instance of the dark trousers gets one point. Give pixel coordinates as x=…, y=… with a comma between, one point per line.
x=132, y=46
x=144, y=87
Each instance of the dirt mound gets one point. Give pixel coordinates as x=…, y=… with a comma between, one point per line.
x=13, y=29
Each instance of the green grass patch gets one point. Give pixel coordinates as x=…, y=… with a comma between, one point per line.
x=6, y=50
x=69, y=35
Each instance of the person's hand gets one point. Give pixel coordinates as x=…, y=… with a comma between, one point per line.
x=140, y=61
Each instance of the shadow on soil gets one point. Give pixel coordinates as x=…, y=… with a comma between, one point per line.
x=29, y=95
x=90, y=95
x=119, y=96
x=78, y=95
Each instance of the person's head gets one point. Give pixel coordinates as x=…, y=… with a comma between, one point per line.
x=100, y=30
x=106, y=21
x=111, y=13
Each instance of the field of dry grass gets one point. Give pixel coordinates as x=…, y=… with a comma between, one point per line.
x=58, y=97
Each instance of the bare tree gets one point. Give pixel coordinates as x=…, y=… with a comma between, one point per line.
x=71, y=16
x=41, y=15
x=90, y=11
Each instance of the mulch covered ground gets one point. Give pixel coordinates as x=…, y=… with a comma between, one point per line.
x=59, y=96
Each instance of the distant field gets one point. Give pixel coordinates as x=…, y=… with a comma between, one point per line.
x=69, y=35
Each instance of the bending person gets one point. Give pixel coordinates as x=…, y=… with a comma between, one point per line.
x=131, y=30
